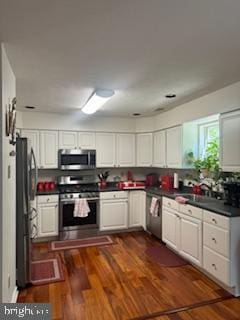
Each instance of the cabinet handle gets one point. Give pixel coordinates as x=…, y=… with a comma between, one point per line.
x=190, y=211
x=214, y=220
x=177, y=215
x=214, y=266
x=169, y=203
x=214, y=240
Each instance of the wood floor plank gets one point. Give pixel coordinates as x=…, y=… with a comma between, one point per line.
x=120, y=282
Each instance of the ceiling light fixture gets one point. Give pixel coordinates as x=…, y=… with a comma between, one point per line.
x=170, y=95
x=97, y=99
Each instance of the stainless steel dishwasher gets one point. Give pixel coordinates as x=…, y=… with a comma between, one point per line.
x=154, y=224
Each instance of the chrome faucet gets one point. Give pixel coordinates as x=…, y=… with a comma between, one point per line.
x=207, y=192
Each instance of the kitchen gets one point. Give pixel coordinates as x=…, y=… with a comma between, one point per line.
x=118, y=163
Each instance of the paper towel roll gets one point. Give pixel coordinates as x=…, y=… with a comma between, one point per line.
x=175, y=181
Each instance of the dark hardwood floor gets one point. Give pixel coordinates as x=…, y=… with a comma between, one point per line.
x=120, y=282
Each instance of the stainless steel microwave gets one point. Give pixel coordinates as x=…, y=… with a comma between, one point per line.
x=76, y=159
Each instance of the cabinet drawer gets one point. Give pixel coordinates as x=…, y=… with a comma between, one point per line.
x=217, y=265
x=170, y=203
x=114, y=195
x=47, y=198
x=216, y=219
x=191, y=211
x=216, y=239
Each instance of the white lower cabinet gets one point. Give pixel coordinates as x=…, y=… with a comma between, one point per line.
x=170, y=228
x=190, y=246
x=137, y=209
x=207, y=239
x=113, y=210
x=47, y=216
x=183, y=232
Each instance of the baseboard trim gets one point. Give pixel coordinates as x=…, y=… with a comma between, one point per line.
x=14, y=295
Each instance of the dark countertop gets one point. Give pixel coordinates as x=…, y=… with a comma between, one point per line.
x=48, y=192
x=216, y=206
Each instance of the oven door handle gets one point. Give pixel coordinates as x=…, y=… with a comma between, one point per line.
x=72, y=200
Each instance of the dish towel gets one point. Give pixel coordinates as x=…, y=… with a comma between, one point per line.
x=181, y=200
x=154, y=207
x=81, y=208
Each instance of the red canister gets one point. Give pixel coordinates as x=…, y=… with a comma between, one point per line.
x=40, y=186
x=47, y=185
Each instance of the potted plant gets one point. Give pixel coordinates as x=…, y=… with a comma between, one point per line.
x=209, y=164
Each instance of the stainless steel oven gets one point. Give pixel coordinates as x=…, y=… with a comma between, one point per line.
x=76, y=159
x=71, y=227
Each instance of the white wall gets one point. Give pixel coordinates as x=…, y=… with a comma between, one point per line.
x=220, y=101
x=8, y=187
x=75, y=121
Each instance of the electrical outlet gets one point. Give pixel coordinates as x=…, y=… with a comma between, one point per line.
x=9, y=281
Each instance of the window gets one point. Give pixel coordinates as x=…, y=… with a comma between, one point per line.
x=207, y=132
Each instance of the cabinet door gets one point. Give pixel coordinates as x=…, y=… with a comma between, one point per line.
x=113, y=214
x=86, y=140
x=144, y=149
x=174, y=147
x=68, y=140
x=48, y=149
x=159, y=149
x=47, y=220
x=106, y=150
x=170, y=228
x=137, y=209
x=126, y=150
x=230, y=141
x=190, y=245
x=33, y=139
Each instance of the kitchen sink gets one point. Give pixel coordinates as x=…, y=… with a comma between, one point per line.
x=197, y=198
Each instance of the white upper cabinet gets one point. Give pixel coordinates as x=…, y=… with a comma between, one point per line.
x=86, y=140
x=33, y=140
x=126, y=150
x=159, y=149
x=174, y=147
x=67, y=140
x=230, y=141
x=106, y=149
x=48, y=149
x=144, y=149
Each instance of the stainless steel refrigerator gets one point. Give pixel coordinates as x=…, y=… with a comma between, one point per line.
x=26, y=182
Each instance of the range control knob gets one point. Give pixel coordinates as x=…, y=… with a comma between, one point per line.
x=79, y=196
x=71, y=196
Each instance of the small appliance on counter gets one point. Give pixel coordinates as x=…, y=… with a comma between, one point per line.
x=46, y=186
x=232, y=192
x=151, y=180
x=167, y=182
x=128, y=185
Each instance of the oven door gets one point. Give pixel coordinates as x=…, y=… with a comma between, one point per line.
x=76, y=159
x=68, y=222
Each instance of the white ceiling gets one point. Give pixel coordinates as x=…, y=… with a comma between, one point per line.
x=60, y=50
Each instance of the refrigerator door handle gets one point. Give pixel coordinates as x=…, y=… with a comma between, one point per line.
x=34, y=189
